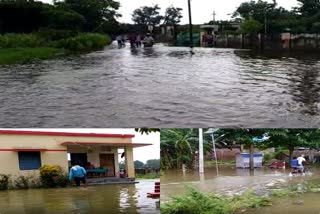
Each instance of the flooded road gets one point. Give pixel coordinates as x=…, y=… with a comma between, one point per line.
x=233, y=181
x=93, y=199
x=163, y=87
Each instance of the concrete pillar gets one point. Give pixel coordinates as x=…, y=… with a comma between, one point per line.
x=201, y=163
x=129, y=161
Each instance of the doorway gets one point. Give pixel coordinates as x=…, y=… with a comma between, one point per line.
x=107, y=162
x=79, y=158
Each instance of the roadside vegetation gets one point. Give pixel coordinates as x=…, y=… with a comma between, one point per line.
x=51, y=176
x=45, y=31
x=195, y=201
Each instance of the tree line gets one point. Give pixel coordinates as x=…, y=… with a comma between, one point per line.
x=25, y=16
x=180, y=146
x=264, y=17
x=152, y=163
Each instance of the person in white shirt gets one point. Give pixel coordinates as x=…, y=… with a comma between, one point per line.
x=301, y=159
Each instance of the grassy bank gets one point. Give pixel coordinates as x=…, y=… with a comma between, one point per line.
x=198, y=202
x=21, y=55
x=20, y=48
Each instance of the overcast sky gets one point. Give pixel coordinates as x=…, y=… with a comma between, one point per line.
x=201, y=9
x=140, y=153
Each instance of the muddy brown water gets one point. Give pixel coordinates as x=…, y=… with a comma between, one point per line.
x=93, y=199
x=163, y=87
x=233, y=181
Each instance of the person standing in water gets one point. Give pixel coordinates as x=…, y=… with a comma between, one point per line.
x=301, y=160
x=138, y=41
x=148, y=40
x=119, y=39
x=78, y=173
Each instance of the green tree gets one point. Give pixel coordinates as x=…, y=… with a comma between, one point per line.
x=251, y=27
x=153, y=163
x=138, y=164
x=308, y=8
x=57, y=18
x=147, y=15
x=173, y=15
x=291, y=138
x=275, y=19
x=242, y=136
x=146, y=130
x=95, y=12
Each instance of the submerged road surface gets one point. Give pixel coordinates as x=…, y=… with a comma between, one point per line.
x=163, y=87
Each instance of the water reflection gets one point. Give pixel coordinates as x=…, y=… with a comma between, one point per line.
x=163, y=87
x=94, y=199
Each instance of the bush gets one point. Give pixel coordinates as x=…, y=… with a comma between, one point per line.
x=48, y=34
x=267, y=157
x=63, y=180
x=19, y=41
x=22, y=182
x=4, y=181
x=203, y=203
x=84, y=42
x=53, y=176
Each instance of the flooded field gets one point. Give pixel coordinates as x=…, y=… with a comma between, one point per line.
x=233, y=181
x=163, y=87
x=93, y=199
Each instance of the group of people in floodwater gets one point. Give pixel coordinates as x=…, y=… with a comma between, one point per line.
x=136, y=40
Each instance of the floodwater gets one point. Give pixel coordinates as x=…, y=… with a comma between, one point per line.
x=233, y=181
x=163, y=87
x=93, y=199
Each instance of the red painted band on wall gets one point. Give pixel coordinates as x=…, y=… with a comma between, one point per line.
x=72, y=134
x=33, y=150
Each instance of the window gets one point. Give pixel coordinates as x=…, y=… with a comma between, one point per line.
x=29, y=160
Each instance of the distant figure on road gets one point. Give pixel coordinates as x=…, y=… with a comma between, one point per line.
x=78, y=173
x=148, y=40
x=133, y=39
x=138, y=41
x=119, y=40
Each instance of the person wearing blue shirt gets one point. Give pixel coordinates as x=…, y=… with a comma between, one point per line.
x=78, y=173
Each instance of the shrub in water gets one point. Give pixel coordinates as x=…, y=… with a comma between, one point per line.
x=4, y=181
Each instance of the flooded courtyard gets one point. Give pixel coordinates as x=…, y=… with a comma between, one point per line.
x=93, y=199
x=233, y=181
x=163, y=86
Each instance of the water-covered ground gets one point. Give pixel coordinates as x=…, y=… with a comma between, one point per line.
x=111, y=199
x=163, y=87
x=233, y=181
